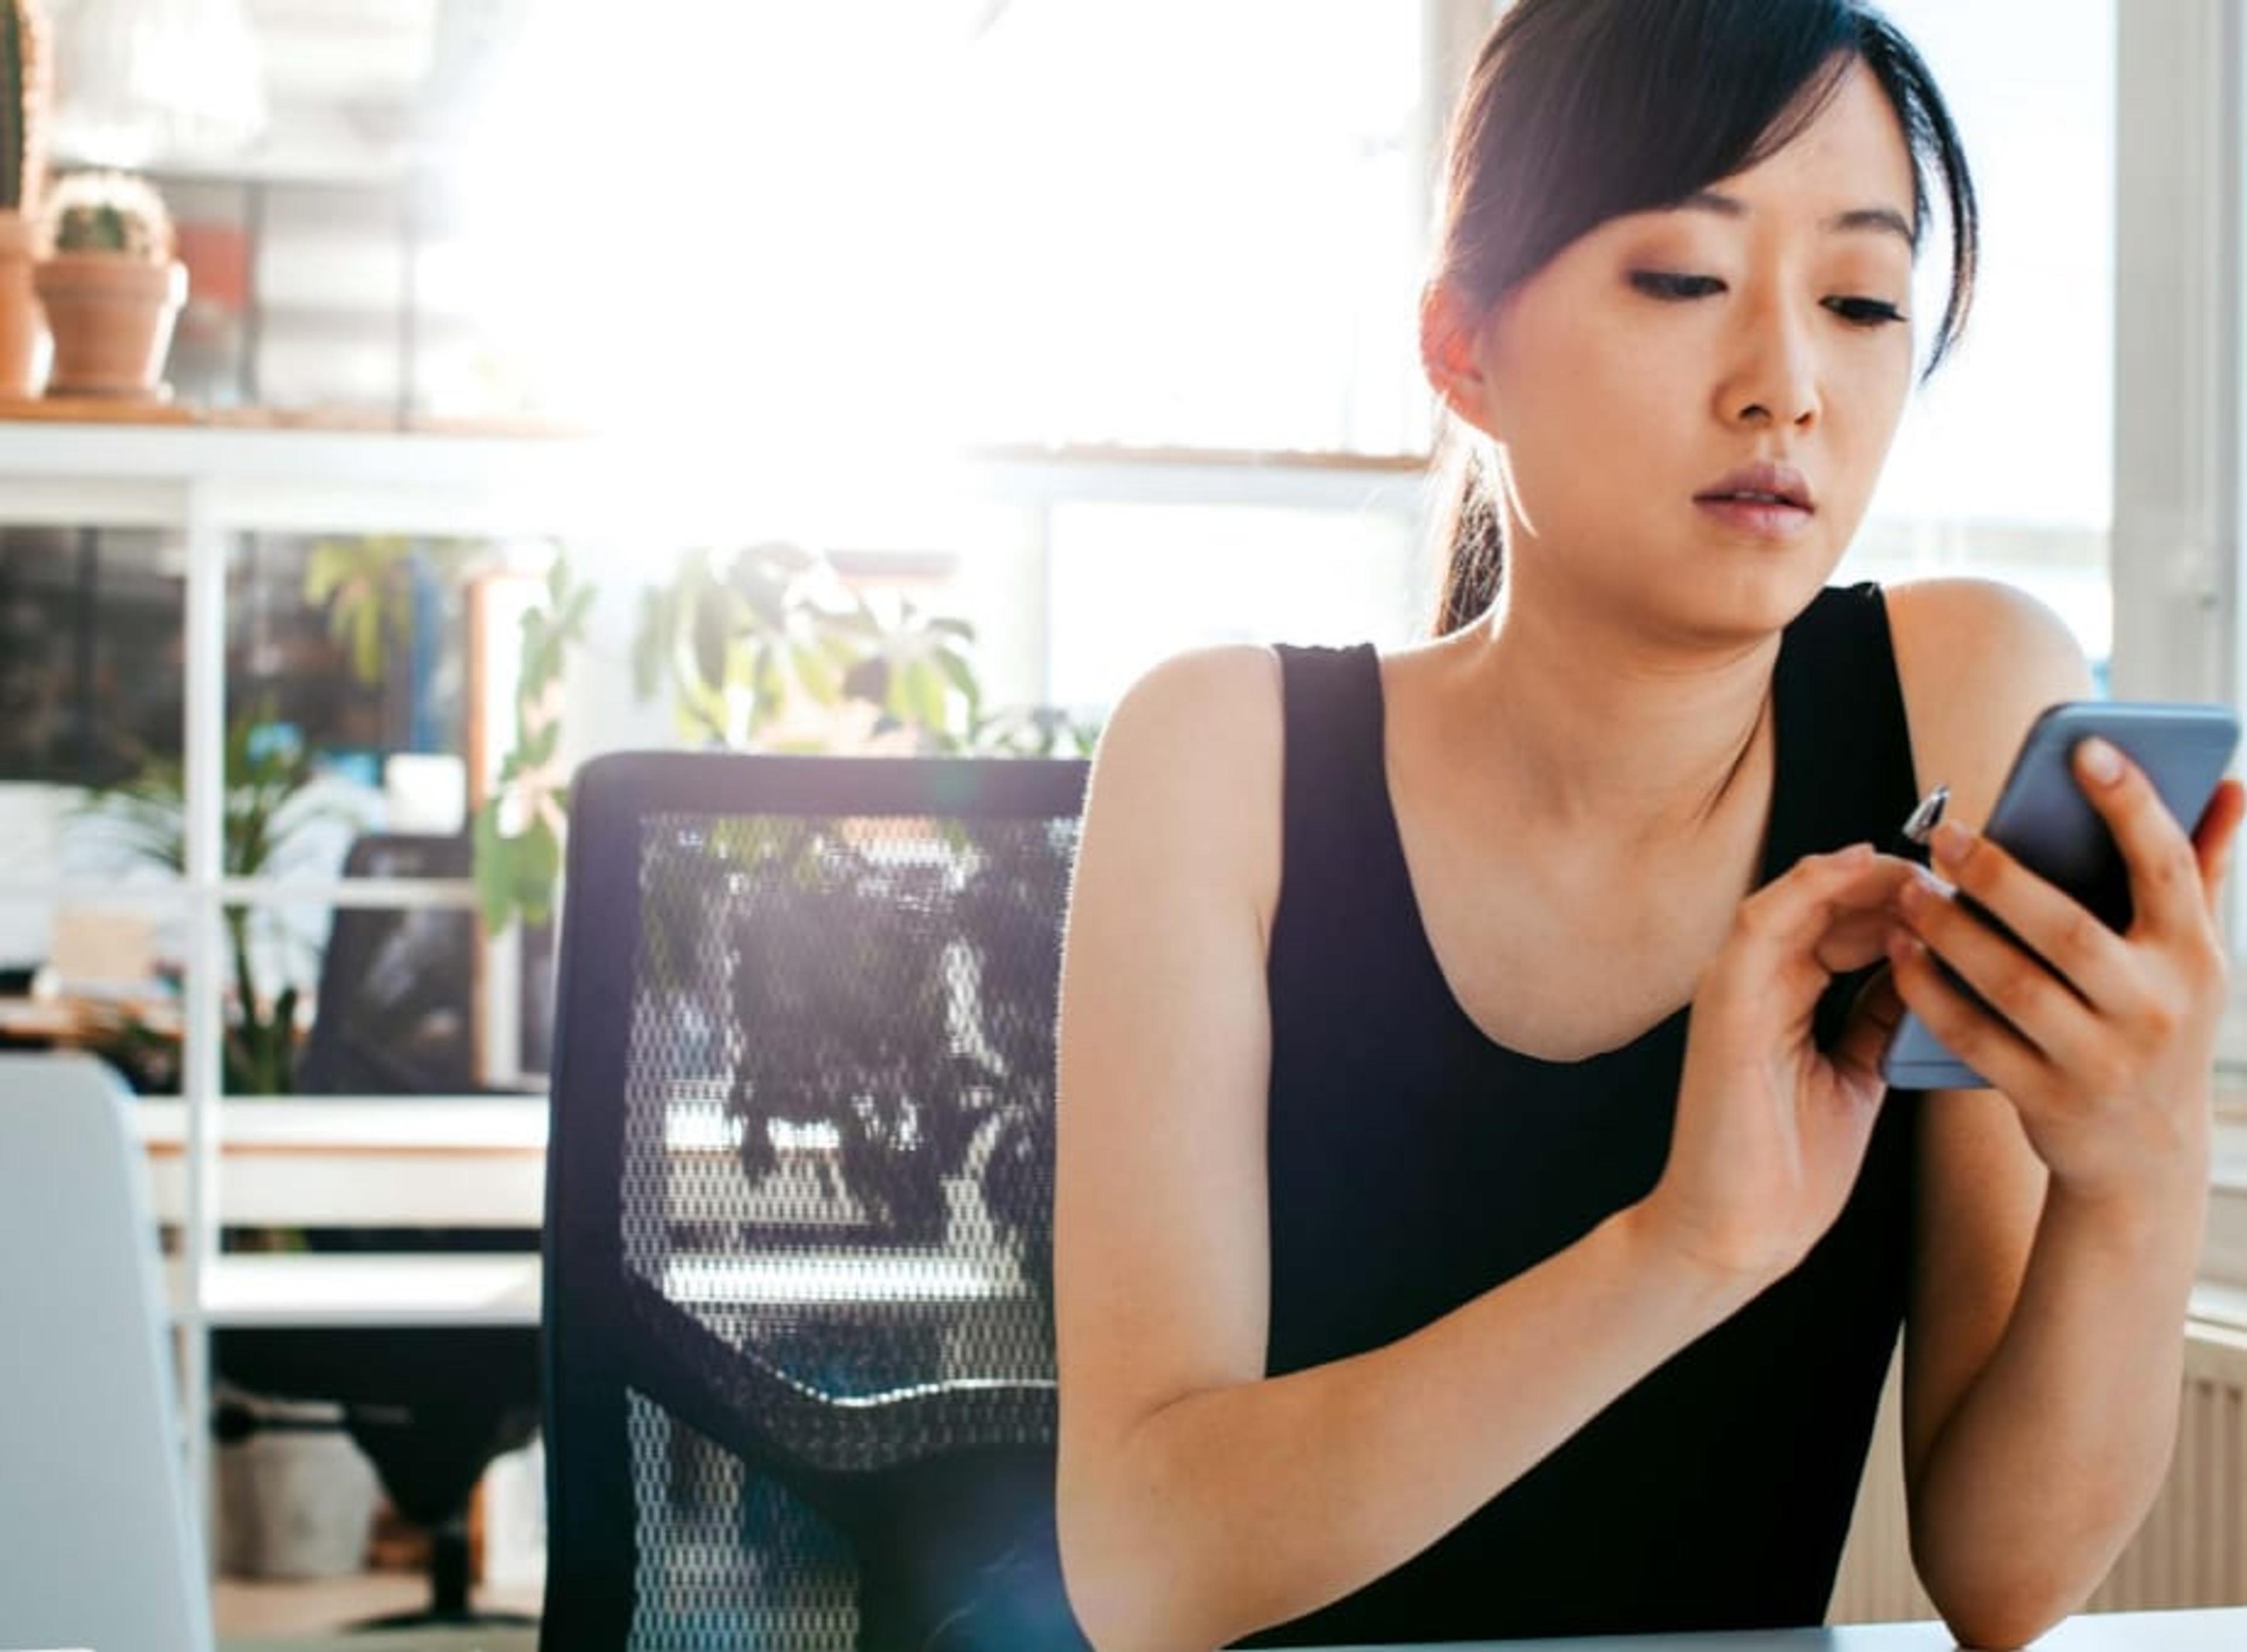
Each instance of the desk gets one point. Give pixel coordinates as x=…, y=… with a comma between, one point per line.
x=301, y=1292
x=2223, y=1630
x=404, y=1161
x=2214, y=1631
x=75, y=1021
x=503, y=1639
x=392, y=1162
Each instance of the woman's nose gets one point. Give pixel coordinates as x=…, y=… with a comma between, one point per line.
x=1777, y=379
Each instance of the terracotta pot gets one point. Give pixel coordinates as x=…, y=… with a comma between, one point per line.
x=24, y=346
x=112, y=317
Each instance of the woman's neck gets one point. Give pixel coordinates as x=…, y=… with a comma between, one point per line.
x=1591, y=731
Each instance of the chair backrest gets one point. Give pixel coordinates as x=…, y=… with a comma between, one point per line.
x=99, y=1544
x=800, y=1378
x=396, y=1005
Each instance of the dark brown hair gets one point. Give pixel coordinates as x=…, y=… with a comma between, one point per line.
x=1581, y=110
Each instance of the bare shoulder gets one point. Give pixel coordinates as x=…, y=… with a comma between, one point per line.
x=1160, y=1258
x=1977, y=660
x=1232, y=691
x=1188, y=768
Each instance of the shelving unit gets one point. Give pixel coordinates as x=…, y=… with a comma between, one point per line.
x=207, y=485
x=205, y=481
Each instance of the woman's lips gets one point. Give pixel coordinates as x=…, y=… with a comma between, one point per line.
x=1756, y=519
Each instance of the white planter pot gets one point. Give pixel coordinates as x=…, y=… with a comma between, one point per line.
x=294, y=1505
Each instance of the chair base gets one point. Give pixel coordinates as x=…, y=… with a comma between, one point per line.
x=448, y=1606
x=447, y=1620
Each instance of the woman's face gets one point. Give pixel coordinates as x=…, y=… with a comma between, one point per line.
x=1655, y=357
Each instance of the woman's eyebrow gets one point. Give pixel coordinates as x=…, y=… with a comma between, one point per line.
x=1884, y=220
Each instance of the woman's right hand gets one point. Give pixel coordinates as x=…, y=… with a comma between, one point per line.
x=1772, y=1130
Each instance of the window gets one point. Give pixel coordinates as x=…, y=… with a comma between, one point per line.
x=1132, y=583
x=2004, y=466
x=1194, y=226
x=1053, y=222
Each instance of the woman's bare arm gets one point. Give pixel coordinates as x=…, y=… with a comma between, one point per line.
x=1199, y=1500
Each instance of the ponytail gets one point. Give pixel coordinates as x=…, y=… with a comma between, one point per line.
x=1470, y=533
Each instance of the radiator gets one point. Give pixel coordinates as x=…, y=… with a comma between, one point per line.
x=2191, y=1551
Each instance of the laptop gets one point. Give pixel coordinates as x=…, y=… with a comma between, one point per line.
x=98, y=1540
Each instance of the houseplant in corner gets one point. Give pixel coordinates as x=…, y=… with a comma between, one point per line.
x=765, y=647
x=768, y=648
x=111, y=286
x=25, y=72
x=266, y=808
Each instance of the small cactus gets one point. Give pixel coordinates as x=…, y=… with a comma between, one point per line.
x=111, y=212
x=24, y=68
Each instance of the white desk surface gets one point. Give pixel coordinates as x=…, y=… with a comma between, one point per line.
x=427, y=1289
x=504, y=1640
x=2221, y=1631
x=417, y=1161
x=304, y=1291
x=404, y=1161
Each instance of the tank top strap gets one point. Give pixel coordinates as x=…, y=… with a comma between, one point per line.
x=1846, y=774
x=1336, y=830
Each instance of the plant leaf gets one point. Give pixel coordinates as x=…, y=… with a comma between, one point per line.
x=495, y=870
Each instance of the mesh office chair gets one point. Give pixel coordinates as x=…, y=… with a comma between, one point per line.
x=799, y=1385
x=397, y=983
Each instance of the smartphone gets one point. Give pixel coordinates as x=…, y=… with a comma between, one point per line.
x=2044, y=821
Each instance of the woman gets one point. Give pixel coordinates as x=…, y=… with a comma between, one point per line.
x=1479, y=1210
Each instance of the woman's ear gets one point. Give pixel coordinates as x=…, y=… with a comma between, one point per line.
x=1451, y=331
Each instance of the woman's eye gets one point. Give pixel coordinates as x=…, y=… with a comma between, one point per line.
x=1865, y=313
x=1660, y=283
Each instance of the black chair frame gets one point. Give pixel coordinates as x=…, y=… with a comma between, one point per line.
x=599, y=1317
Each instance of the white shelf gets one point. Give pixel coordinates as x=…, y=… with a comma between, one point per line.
x=302, y=1291
x=301, y=480
x=299, y=1292
x=385, y=1161
x=656, y=487
x=437, y=1125
x=374, y=1162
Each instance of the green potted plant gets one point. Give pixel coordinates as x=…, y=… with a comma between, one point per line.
x=766, y=648
x=363, y=585
x=518, y=830
x=366, y=585
x=24, y=77
x=265, y=811
x=111, y=286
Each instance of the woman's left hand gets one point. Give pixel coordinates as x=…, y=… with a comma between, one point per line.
x=2111, y=1079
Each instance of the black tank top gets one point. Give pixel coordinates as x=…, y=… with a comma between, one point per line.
x=1415, y=1164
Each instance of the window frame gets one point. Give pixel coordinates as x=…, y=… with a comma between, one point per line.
x=2181, y=362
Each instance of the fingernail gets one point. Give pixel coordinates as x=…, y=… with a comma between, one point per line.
x=2100, y=761
x=1952, y=841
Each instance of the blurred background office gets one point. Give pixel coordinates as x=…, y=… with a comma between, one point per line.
x=521, y=380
